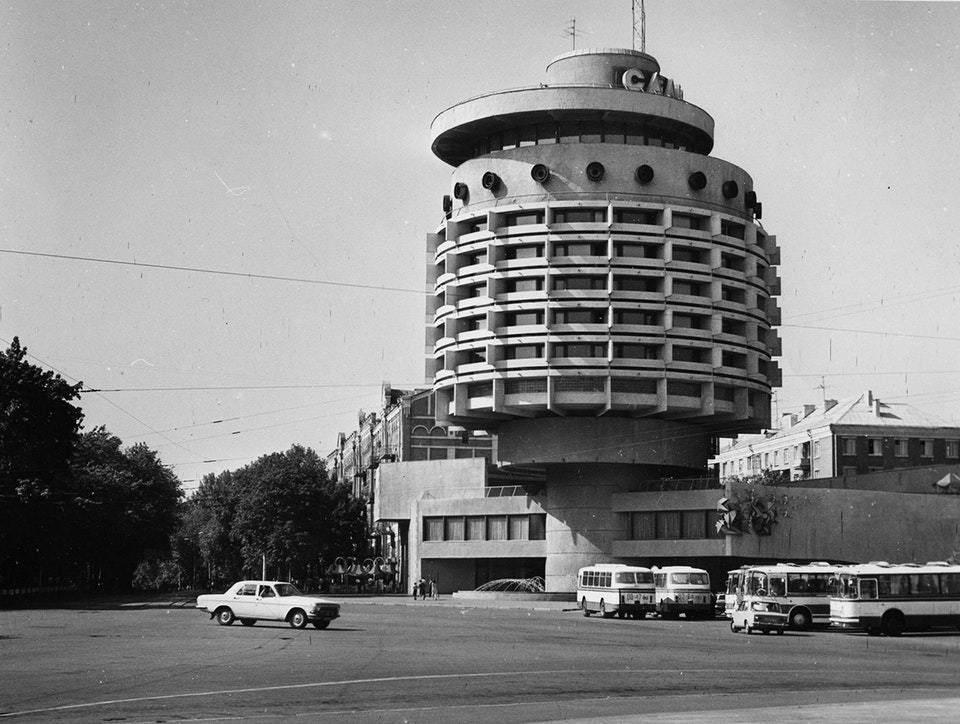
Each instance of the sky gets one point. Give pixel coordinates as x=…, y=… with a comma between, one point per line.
x=214, y=214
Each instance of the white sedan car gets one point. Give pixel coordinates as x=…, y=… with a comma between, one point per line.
x=251, y=601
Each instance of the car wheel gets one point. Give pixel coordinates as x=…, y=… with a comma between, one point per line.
x=749, y=630
x=583, y=606
x=799, y=618
x=321, y=624
x=893, y=623
x=248, y=621
x=641, y=614
x=298, y=619
x=620, y=614
x=224, y=616
x=733, y=627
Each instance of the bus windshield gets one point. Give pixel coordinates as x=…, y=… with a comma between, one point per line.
x=696, y=579
x=631, y=577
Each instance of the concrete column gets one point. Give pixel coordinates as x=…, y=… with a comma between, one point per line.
x=581, y=526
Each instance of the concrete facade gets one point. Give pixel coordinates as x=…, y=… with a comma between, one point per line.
x=603, y=296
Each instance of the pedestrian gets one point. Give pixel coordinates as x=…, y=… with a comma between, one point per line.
x=433, y=590
x=416, y=589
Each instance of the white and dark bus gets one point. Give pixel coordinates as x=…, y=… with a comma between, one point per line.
x=801, y=590
x=615, y=589
x=683, y=589
x=886, y=598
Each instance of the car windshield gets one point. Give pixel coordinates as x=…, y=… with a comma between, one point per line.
x=287, y=589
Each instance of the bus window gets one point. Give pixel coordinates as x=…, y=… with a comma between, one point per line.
x=950, y=583
x=680, y=579
x=893, y=585
x=626, y=578
x=778, y=586
x=699, y=579
x=868, y=587
x=924, y=584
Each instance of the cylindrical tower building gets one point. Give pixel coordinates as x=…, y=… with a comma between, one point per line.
x=602, y=291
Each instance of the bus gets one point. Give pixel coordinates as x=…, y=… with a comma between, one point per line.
x=880, y=597
x=682, y=589
x=802, y=591
x=615, y=589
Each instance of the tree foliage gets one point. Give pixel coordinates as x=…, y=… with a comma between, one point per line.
x=282, y=507
x=74, y=508
x=38, y=430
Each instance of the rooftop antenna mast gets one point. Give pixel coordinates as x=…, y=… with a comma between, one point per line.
x=572, y=31
x=639, y=17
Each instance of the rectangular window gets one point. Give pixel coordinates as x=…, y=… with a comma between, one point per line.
x=633, y=386
x=637, y=316
x=668, y=524
x=950, y=583
x=693, y=524
x=732, y=294
x=926, y=448
x=723, y=392
x=730, y=261
x=522, y=387
x=691, y=289
x=579, y=349
x=643, y=526
x=688, y=221
x=636, y=284
x=849, y=446
x=523, y=218
x=580, y=316
x=454, y=528
x=952, y=448
x=637, y=251
x=497, y=527
x=636, y=216
x=816, y=448
x=683, y=389
x=579, y=282
x=732, y=228
x=579, y=249
x=689, y=254
x=546, y=134
x=874, y=446
x=892, y=586
x=579, y=216
x=637, y=351
x=433, y=529
x=538, y=526
x=521, y=319
x=523, y=351
x=735, y=327
x=733, y=359
x=691, y=321
x=476, y=527
x=900, y=448
x=526, y=251
x=479, y=389
x=697, y=355
x=519, y=527
x=523, y=285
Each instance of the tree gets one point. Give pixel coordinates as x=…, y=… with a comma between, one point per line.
x=290, y=512
x=38, y=432
x=126, y=506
